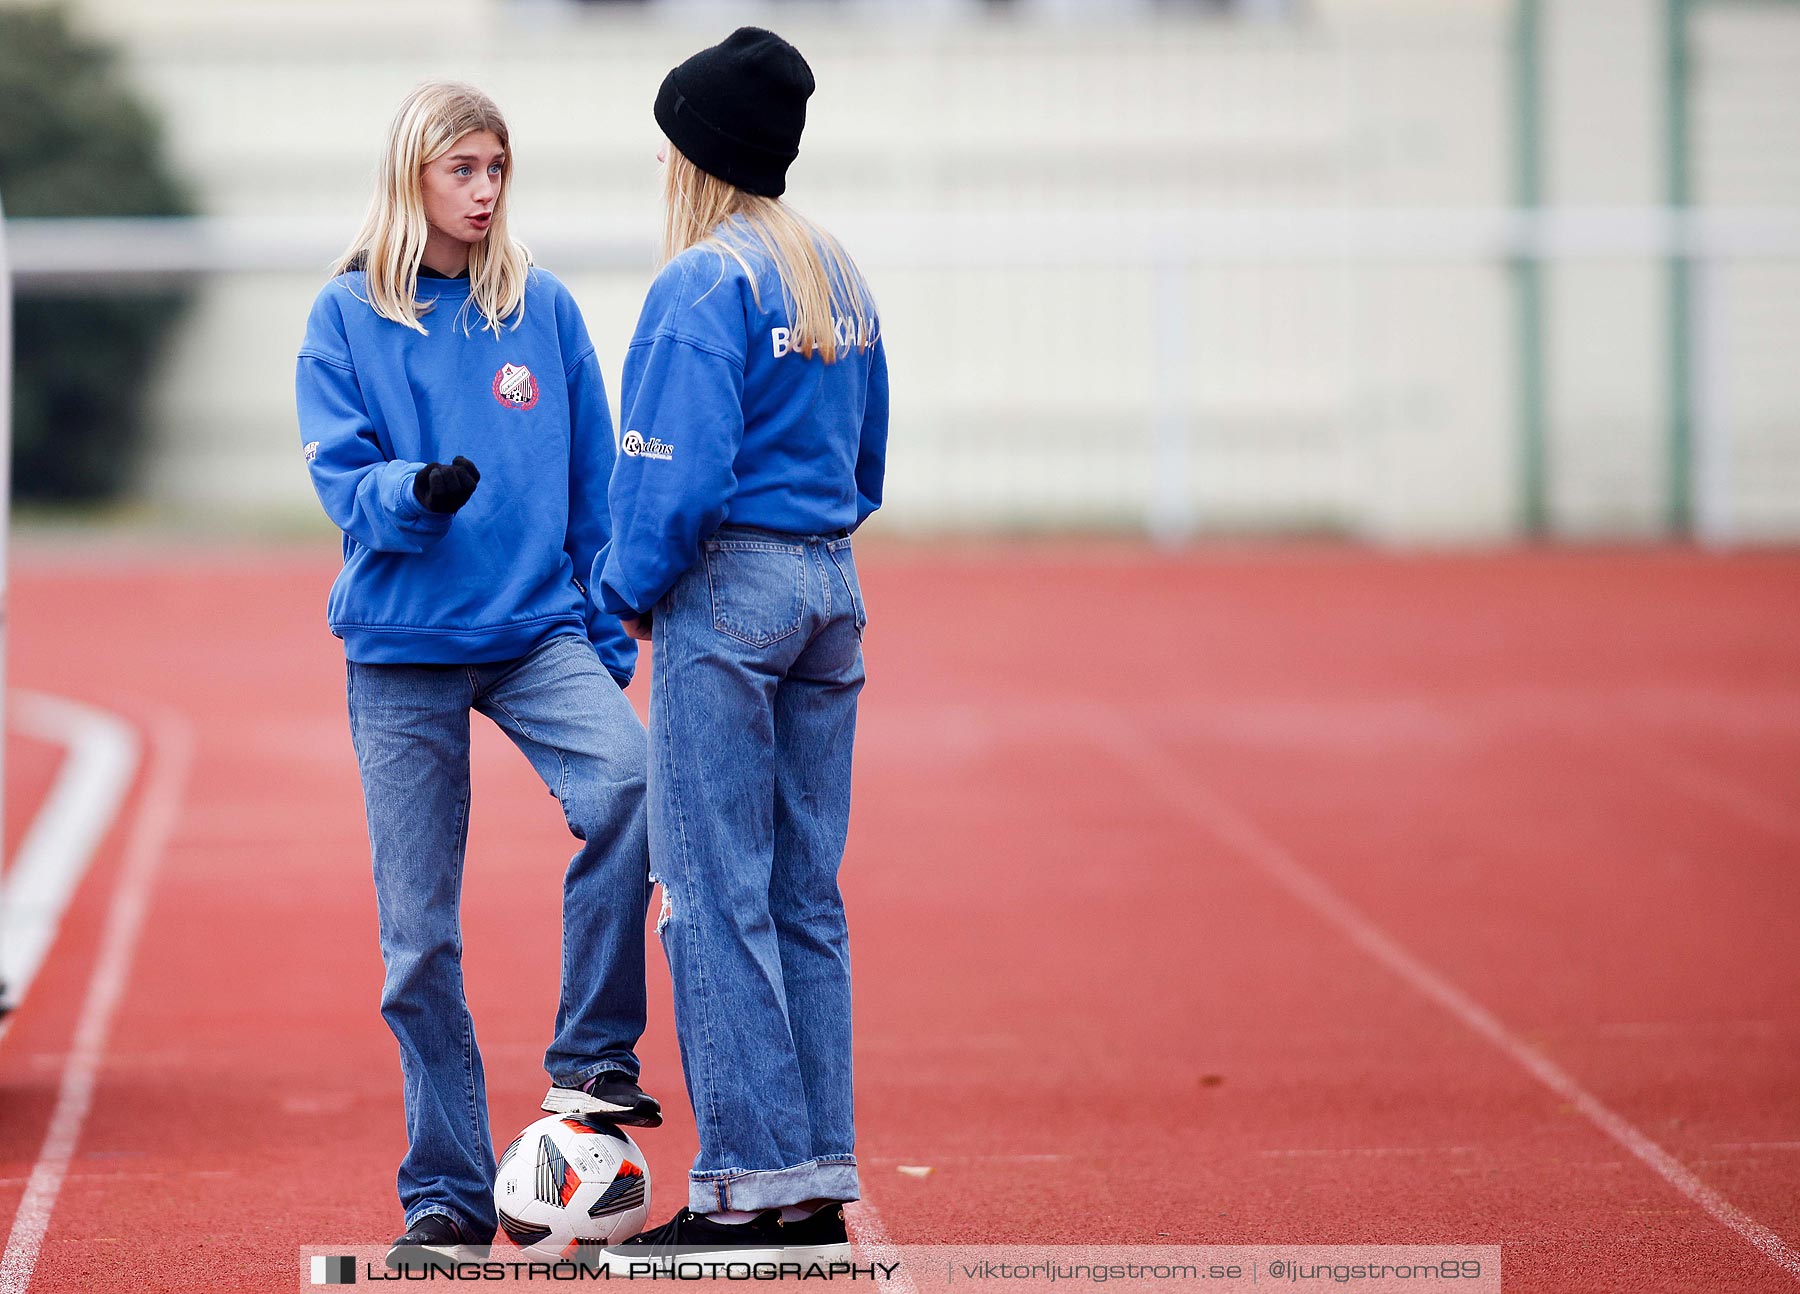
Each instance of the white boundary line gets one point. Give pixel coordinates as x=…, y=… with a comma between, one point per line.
x=1597, y=724
x=1700, y=782
x=54, y=854
x=172, y=745
x=870, y=1235
x=1128, y=744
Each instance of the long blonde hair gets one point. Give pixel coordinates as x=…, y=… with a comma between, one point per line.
x=827, y=299
x=392, y=239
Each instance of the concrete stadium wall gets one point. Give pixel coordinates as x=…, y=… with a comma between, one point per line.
x=1351, y=395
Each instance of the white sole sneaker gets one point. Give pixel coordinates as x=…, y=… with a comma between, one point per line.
x=572, y=1100
x=699, y=1262
x=823, y=1255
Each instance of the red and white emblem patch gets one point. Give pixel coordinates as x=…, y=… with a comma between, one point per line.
x=514, y=386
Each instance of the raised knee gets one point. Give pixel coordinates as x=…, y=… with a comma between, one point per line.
x=413, y=968
x=607, y=808
x=585, y=818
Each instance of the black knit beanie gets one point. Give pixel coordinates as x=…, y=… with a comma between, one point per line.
x=736, y=109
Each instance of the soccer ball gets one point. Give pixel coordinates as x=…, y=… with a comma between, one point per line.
x=567, y=1182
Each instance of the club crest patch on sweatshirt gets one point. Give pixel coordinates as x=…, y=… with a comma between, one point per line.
x=515, y=387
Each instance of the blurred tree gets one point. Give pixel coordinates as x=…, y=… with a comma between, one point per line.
x=75, y=141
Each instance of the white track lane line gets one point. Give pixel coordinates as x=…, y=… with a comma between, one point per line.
x=870, y=1235
x=1701, y=782
x=68, y=827
x=1134, y=748
x=1598, y=724
x=171, y=755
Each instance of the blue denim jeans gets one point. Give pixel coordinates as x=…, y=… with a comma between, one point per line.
x=752, y=717
x=410, y=726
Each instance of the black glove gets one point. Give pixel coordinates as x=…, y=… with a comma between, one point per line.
x=445, y=489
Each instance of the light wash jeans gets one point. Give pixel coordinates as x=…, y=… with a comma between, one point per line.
x=410, y=726
x=752, y=717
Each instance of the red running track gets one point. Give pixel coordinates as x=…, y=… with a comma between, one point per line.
x=1273, y=895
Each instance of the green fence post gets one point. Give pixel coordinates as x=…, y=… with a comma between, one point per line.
x=1679, y=196
x=1528, y=266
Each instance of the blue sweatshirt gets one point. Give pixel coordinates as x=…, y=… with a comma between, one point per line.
x=725, y=422
x=378, y=401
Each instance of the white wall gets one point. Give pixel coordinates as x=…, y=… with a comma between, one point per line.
x=1375, y=397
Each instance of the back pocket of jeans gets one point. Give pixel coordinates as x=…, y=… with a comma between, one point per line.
x=758, y=595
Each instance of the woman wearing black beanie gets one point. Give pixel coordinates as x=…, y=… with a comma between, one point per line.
x=754, y=439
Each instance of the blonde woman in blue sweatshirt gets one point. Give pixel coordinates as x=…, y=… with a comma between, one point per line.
x=754, y=435
x=455, y=426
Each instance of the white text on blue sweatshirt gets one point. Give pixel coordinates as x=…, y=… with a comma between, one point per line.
x=725, y=421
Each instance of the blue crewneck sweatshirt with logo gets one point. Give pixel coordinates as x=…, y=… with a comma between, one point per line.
x=724, y=422
x=377, y=401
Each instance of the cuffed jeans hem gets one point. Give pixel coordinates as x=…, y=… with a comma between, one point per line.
x=628, y=1067
x=462, y=1224
x=832, y=1177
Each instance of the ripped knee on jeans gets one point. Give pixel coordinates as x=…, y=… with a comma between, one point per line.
x=667, y=910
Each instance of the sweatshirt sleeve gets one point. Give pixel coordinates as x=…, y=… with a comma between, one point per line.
x=871, y=454
x=683, y=402
x=591, y=453
x=366, y=494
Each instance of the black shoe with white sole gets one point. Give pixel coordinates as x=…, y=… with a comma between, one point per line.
x=820, y=1237
x=694, y=1237
x=611, y=1096
x=433, y=1242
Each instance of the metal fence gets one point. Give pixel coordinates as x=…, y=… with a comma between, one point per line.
x=1369, y=268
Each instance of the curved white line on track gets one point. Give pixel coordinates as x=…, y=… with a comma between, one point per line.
x=866, y=1229
x=1134, y=748
x=54, y=853
x=172, y=749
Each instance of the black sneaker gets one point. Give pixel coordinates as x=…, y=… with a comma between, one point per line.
x=694, y=1237
x=610, y=1095
x=820, y=1237
x=433, y=1242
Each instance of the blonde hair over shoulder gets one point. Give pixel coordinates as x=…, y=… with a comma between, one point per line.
x=391, y=242
x=827, y=299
